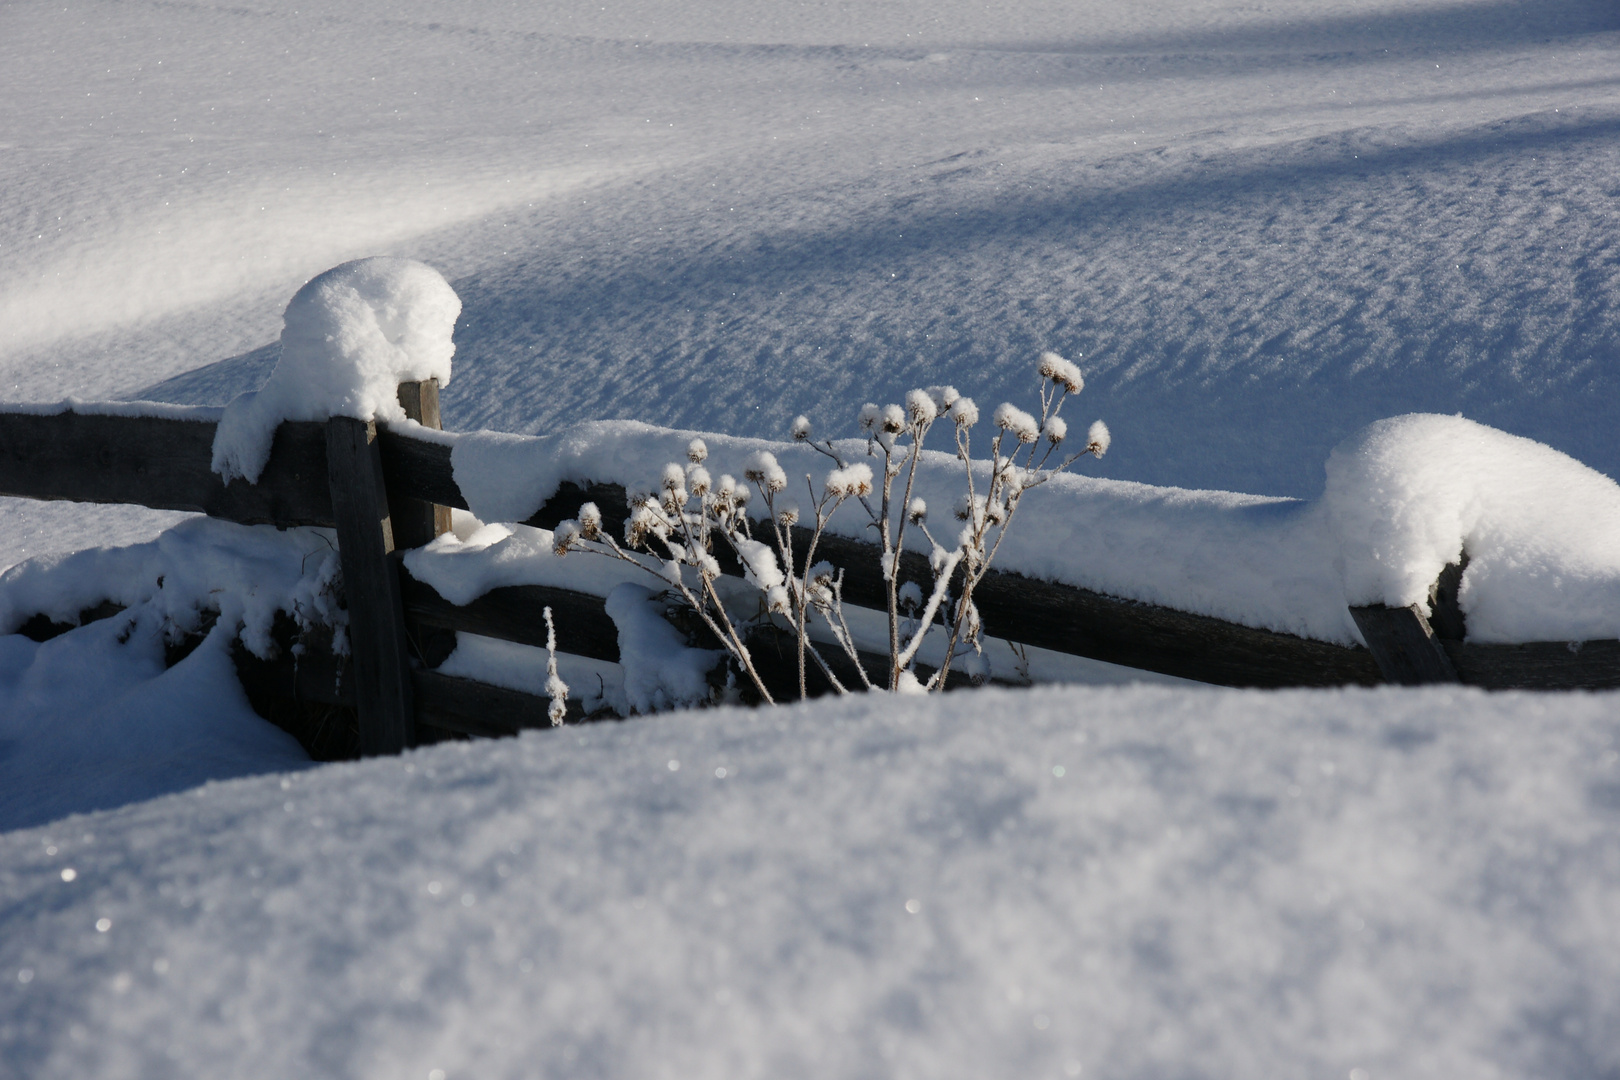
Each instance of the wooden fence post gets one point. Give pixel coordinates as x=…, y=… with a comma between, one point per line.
x=415, y=521
x=1404, y=646
x=382, y=667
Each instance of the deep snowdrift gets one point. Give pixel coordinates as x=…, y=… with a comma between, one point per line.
x=1097, y=883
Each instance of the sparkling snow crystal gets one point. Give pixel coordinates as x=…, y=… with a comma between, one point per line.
x=350, y=337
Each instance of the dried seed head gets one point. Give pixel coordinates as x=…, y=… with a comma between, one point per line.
x=697, y=451
x=917, y=512
x=854, y=480
x=590, y=521
x=944, y=397
x=787, y=514
x=763, y=470
x=894, y=419
x=564, y=537
x=1098, y=438
x=801, y=429
x=964, y=413
x=920, y=407
x=1019, y=423
x=674, y=479
x=697, y=478
x=1061, y=371
x=1056, y=430
x=869, y=416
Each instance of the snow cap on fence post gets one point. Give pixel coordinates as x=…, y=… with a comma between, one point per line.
x=349, y=338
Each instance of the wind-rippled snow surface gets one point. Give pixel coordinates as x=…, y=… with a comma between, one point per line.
x=1098, y=883
x=1257, y=230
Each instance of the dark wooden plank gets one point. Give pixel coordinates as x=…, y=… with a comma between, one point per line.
x=1403, y=644
x=377, y=638
x=417, y=521
x=1538, y=665
x=161, y=462
x=474, y=708
x=418, y=468
x=1082, y=622
x=1445, y=612
x=514, y=613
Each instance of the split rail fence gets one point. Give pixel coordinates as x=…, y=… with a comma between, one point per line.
x=384, y=492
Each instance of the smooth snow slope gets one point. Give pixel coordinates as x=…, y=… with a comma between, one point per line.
x=1097, y=883
x=1263, y=228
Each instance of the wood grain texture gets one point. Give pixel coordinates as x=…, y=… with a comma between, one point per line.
x=1403, y=645
x=515, y=613
x=377, y=639
x=1538, y=665
x=161, y=462
x=417, y=521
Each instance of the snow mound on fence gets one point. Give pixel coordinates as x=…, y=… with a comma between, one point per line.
x=1096, y=883
x=1407, y=495
x=351, y=336
x=1403, y=498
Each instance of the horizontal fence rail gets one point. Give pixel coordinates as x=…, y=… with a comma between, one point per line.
x=383, y=489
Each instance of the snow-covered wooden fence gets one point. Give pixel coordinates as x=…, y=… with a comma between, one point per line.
x=384, y=491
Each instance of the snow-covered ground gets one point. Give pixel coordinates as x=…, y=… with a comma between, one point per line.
x=1258, y=228
x=1060, y=882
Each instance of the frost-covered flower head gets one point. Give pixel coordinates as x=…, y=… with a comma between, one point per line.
x=1056, y=430
x=964, y=413
x=920, y=406
x=564, y=537
x=893, y=419
x=944, y=397
x=975, y=509
x=801, y=429
x=762, y=468
x=697, y=451
x=917, y=512
x=1020, y=424
x=853, y=480
x=1098, y=438
x=643, y=522
x=787, y=514
x=698, y=479
x=674, y=483
x=590, y=521
x=869, y=416
x=910, y=598
x=1061, y=371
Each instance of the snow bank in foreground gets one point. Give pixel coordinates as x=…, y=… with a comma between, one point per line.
x=351, y=336
x=1403, y=498
x=1103, y=883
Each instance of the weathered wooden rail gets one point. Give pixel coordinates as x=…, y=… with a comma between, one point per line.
x=383, y=491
